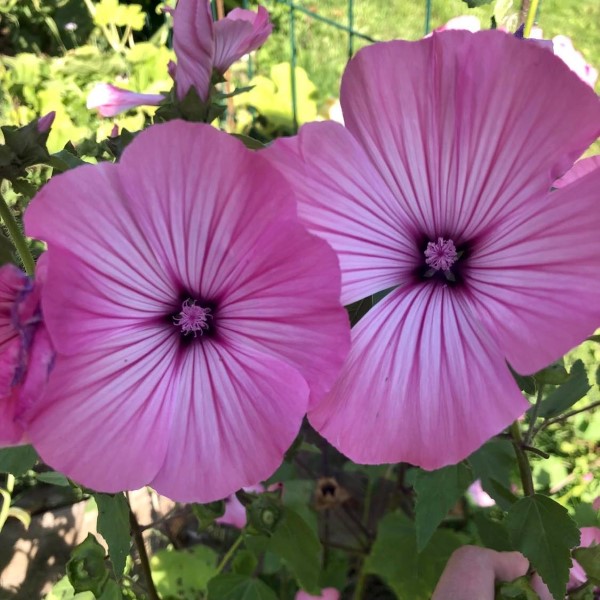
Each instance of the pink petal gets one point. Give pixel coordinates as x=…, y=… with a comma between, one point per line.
x=343, y=199
x=193, y=43
x=479, y=496
x=45, y=123
x=463, y=142
x=534, y=279
x=111, y=100
x=564, y=49
x=326, y=594
x=105, y=417
x=238, y=414
x=240, y=32
x=432, y=387
x=235, y=512
x=580, y=168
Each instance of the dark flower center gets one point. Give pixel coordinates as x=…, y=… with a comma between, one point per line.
x=444, y=261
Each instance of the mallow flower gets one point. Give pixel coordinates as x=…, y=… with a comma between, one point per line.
x=111, y=100
x=437, y=195
x=202, y=45
x=26, y=355
x=195, y=319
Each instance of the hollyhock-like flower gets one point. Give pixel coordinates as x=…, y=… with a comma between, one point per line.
x=479, y=496
x=195, y=319
x=326, y=594
x=235, y=511
x=111, y=100
x=437, y=191
x=202, y=45
x=25, y=351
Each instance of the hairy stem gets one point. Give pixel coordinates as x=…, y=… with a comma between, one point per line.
x=534, y=415
x=522, y=460
x=533, y=6
x=144, y=561
x=17, y=237
x=229, y=553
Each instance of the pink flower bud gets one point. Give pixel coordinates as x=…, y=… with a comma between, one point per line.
x=44, y=123
x=111, y=100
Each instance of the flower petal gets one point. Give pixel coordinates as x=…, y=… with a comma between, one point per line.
x=93, y=275
x=240, y=32
x=534, y=279
x=580, y=168
x=462, y=142
x=422, y=384
x=105, y=417
x=343, y=199
x=111, y=100
x=238, y=413
x=193, y=43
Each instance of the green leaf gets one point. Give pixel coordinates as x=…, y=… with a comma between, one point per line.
x=207, y=513
x=476, y=3
x=113, y=526
x=574, y=389
x=183, y=574
x=244, y=563
x=493, y=533
x=298, y=545
x=86, y=569
x=519, y=589
x=437, y=492
x=53, y=478
x=544, y=532
x=63, y=161
x=394, y=557
x=554, y=374
x=230, y=586
x=63, y=590
x=17, y=460
x=589, y=559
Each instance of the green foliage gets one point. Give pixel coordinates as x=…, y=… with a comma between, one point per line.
x=231, y=586
x=589, y=559
x=394, y=557
x=298, y=545
x=520, y=589
x=17, y=460
x=53, y=478
x=113, y=526
x=207, y=513
x=183, y=574
x=437, y=492
x=86, y=569
x=492, y=533
x=574, y=388
x=544, y=532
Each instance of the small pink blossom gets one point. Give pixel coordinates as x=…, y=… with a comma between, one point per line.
x=45, y=123
x=326, y=594
x=202, y=45
x=26, y=354
x=479, y=496
x=111, y=100
x=235, y=511
x=142, y=255
x=438, y=145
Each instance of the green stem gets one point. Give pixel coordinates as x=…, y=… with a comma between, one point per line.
x=534, y=415
x=530, y=17
x=522, y=460
x=6, y=499
x=144, y=560
x=229, y=554
x=360, y=584
x=17, y=237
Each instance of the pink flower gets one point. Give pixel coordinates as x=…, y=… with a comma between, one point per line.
x=111, y=100
x=479, y=496
x=26, y=355
x=202, y=45
x=44, y=123
x=235, y=511
x=438, y=145
x=326, y=594
x=580, y=168
x=185, y=301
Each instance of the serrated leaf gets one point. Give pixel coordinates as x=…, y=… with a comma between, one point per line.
x=183, y=574
x=544, y=532
x=493, y=464
x=437, y=492
x=17, y=460
x=493, y=534
x=113, y=526
x=589, y=559
x=230, y=586
x=574, y=389
x=298, y=545
x=394, y=557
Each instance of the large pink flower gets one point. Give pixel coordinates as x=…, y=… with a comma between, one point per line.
x=202, y=45
x=194, y=317
x=439, y=189
x=26, y=355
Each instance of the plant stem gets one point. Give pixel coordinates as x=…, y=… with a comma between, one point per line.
x=534, y=415
x=360, y=583
x=17, y=237
x=530, y=17
x=522, y=460
x=144, y=561
x=230, y=553
x=566, y=416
